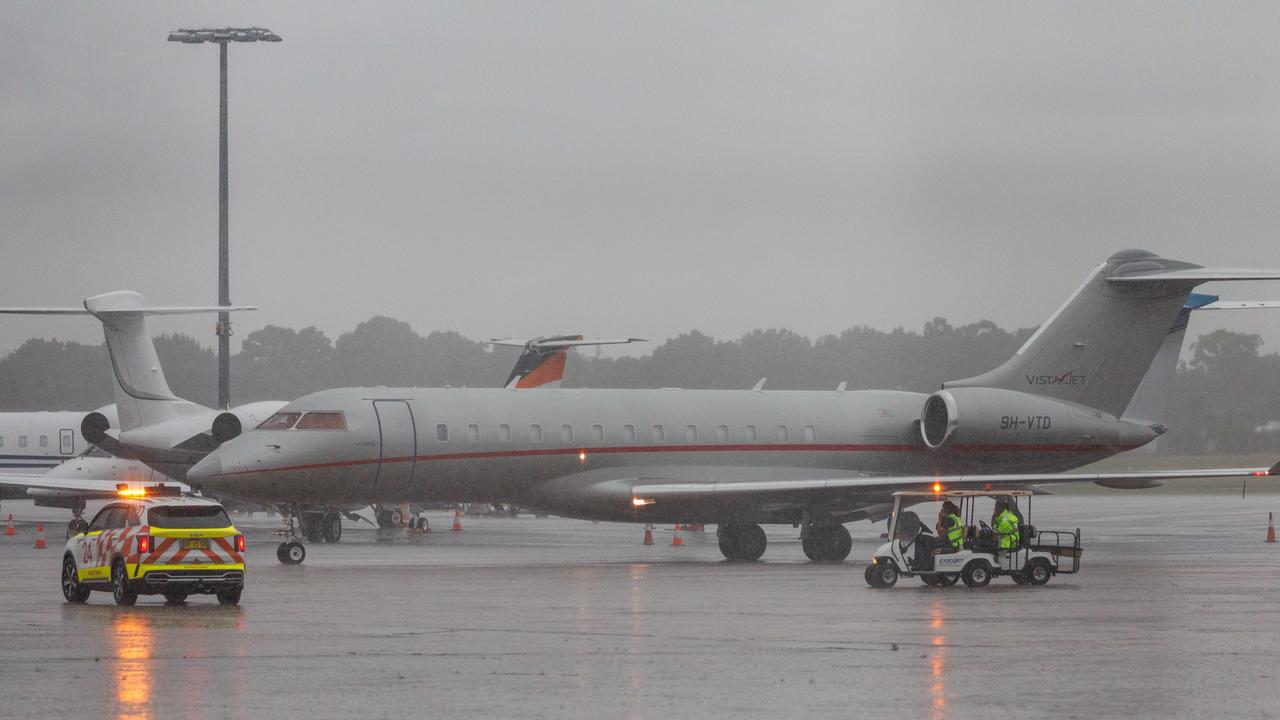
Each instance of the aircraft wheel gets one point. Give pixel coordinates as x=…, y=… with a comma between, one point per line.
x=827, y=543
x=311, y=523
x=121, y=590
x=742, y=542
x=727, y=536
x=230, y=597
x=1039, y=572
x=751, y=542
x=291, y=553
x=395, y=518
x=72, y=590
x=331, y=527
x=976, y=575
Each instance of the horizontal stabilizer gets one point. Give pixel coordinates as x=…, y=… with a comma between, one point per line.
x=1196, y=275
x=544, y=344
x=1241, y=305
x=172, y=310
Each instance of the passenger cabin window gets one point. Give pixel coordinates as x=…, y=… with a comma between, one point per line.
x=504, y=433
x=566, y=433
x=782, y=433
x=535, y=433
x=597, y=433
x=628, y=434
x=44, y=441
x=751, y=433
x=722, y=433
x=1, y=441
x=328, y=420
x=280, y=421
x=473, y=432
x=810, y=434
x=659, y=433
x=22, y=441
x=442, y=432
x=691, y=433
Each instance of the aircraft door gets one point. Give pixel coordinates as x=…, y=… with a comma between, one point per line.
x=399, y=444
x=66, y=442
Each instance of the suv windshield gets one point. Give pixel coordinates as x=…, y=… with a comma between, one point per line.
x=188, y=516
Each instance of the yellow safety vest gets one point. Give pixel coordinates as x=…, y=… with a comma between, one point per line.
x=1007, y=530
x=955, y=533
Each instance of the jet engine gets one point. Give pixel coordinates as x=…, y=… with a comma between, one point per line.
x=992, y=417
x=230, y=423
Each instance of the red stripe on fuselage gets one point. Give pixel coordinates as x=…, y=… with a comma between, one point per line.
x=809, y=447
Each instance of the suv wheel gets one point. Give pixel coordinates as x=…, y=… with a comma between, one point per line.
x=72, y=590
x=121, y=588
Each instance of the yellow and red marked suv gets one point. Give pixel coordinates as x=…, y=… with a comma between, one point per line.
x=155, y=541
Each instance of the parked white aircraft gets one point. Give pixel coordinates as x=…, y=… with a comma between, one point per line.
x=162, y=430
x=739, y=458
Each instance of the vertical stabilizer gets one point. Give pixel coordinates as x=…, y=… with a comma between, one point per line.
x=1152, y=396
x=1097, y=348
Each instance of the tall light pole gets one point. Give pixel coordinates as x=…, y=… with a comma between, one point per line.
x=223, y=36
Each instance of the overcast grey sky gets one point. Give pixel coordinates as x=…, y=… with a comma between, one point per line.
x=634, y=168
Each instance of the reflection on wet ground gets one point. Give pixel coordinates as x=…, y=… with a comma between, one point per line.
x=1174, y=615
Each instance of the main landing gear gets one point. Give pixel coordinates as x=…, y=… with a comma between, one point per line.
x=741, y=541
x=826, y=542
x=322, y=526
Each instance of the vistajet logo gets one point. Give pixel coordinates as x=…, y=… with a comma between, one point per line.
x=1070, y=377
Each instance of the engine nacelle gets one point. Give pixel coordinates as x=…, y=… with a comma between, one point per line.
x=226, y=426
x=94, y=428
x=996, y=418
x=230, y=423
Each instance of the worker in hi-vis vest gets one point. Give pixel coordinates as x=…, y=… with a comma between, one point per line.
x=1005, y=525
x=950, y=526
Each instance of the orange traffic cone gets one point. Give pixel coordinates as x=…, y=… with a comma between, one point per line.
x=9, y=529
x=40, y=536
x=457, y=521
x=648, y=534
x=676, y=541
x=1271, y=528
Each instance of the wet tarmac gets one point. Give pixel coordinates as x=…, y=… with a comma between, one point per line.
x=1175, y=614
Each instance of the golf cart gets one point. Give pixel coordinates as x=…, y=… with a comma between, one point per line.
x=1030, y=557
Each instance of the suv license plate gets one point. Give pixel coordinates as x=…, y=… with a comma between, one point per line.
x=195, y=544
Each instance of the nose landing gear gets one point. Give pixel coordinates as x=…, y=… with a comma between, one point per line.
x=291, y=551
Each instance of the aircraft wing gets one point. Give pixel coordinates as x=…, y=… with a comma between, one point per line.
x=655, y=491
x=41, y=486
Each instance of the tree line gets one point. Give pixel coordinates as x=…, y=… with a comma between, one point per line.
x=1223, y=393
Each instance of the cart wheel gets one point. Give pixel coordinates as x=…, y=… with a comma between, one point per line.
x=1039, y=572
x=930, y=579
x=884, y=575
x=1020, y=577
x=870, y=575
x=948, y=579
x=976, y=575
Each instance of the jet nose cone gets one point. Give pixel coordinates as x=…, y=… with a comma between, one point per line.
x=209, y=468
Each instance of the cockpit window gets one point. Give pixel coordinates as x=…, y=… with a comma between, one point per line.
x=323, y=421
x=280, y=421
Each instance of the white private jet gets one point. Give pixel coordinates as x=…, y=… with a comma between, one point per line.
x=739, y=458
